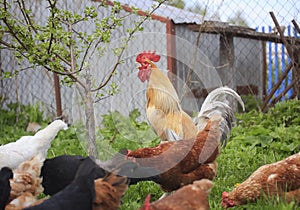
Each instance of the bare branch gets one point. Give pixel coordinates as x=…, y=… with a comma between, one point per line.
x=296, y=26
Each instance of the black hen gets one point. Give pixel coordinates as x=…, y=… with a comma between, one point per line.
x=60, y=171
x=5, y=174
x=80, y=194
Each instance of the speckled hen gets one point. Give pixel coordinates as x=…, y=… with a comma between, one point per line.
x=276, y=179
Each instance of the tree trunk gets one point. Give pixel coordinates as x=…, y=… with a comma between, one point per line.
x=90, y=121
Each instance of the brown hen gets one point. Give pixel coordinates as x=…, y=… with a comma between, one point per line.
x=190, y=197
x=109, y=191
x=26, y=183
x=184, y=161
x=276, y=179
x=27, y=178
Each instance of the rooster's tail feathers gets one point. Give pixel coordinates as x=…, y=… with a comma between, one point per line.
x=216, y=104
x=219, y=94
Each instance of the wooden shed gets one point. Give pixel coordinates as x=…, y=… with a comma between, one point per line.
x=196, y=62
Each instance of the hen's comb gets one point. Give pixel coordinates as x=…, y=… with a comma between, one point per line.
x=147, y=203
x=148, y=55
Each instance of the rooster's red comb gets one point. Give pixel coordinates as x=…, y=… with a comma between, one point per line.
x=148, y=55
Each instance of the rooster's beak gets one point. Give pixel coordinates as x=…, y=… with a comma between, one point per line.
x=138, y=65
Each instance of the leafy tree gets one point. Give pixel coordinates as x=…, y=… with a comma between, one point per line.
x=238, y=19
x=61, y=47
x=176, y=3
x=203, y=10
x=198, y=8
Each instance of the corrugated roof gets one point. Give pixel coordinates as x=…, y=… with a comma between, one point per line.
x=177, y=15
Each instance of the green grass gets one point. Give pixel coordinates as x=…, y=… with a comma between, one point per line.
x=257, y=139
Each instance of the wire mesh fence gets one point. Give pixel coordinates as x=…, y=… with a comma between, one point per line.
x=203, y=44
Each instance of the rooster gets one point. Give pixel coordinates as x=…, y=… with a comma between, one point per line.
x=5, y=175
x=184, y=161
x=192, y=197
x=163, y=109
x=14, y=153
x=276, y=179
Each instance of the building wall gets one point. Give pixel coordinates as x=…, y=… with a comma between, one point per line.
x=209, y=70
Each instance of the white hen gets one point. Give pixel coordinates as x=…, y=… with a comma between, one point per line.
x=15, y=153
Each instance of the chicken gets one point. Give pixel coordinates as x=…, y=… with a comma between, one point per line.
x=78, y=195
x=276, y=179
x=26, y=184
x=109, y=192
x=26, y=178
x=184, y=161
x=5, y=174
x=191, y=197
x=217, y=103
x=25, y=200
x=14, y=153
x=163, y=109
x=59, y=172
x=88, y=192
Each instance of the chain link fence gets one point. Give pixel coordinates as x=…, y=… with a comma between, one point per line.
x=203, y=45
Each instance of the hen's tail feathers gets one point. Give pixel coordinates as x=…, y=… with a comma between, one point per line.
x=137, y=173
x=128, y=168
x=85, y=175
x=217, y=104
x=109, y=191
x=86, y=168
x=204, y=184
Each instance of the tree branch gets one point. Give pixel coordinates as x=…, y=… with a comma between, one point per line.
x=11, y=30
x=26, y=17
x=105, y=82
